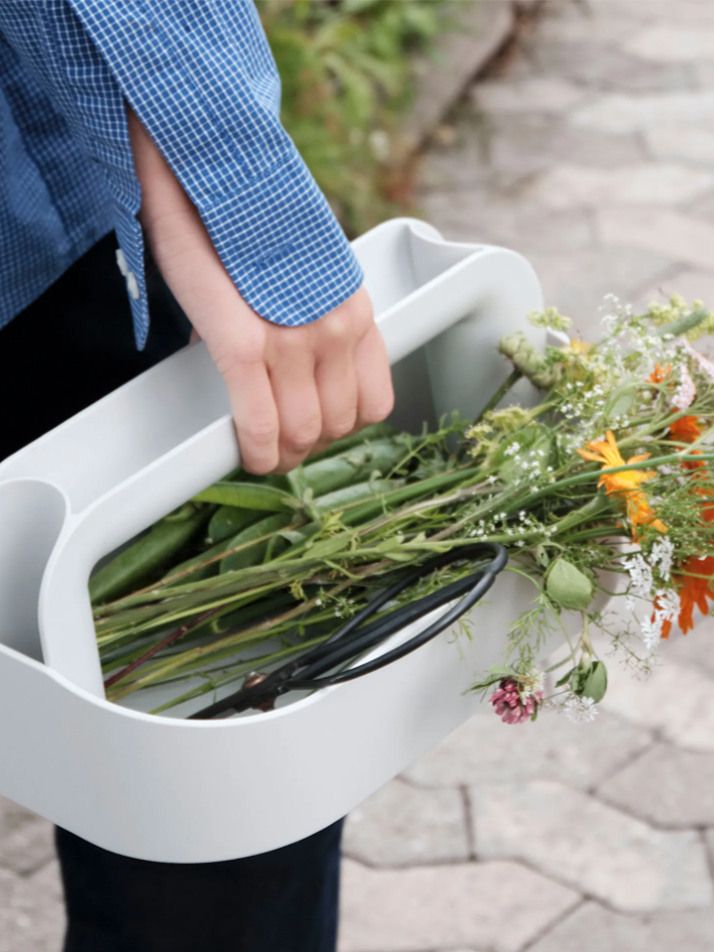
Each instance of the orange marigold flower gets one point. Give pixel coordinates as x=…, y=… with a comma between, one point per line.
x=660, y=373
x=686, y=429
x=693, y=463
x=694, y=589
x=625, y=483
x=639, y=511
x=607, y=452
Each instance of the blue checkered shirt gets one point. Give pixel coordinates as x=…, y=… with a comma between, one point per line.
x=201, y=78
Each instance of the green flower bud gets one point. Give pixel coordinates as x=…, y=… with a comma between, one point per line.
x=528, y=360
x=595, y=683
x=567, y=586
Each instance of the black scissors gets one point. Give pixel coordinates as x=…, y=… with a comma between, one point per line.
x=310, y=670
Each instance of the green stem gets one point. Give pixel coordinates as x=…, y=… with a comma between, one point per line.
x=510, y=381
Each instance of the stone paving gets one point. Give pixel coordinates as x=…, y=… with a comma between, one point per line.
x=591, y=150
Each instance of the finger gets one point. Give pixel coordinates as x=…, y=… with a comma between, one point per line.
x=374, y=379
x=298, y=405
x=255, y=415
x=336, y=379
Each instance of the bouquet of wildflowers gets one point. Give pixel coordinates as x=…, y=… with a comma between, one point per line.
x=606, y=485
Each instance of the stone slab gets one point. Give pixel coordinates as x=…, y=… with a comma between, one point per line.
x=591, y=928
x=401, y=825
x=665, y=786
x=621, y=113
x=591, y=847
x=654, y=11
x=676, y=700
x=605, y=65
x=28, y=847
x=705, y=74
x=576, y=283
x=550, y=95
x=459, y=54
x=497, y=906
x=681, y=143
x=564, y=22
x=26, y=841
x=493, y=219
x=679, y=237
x=696, y=649
x=566, y=185
x=486, y=751
x=500, y=151
x=31, y=911
x=663, y=43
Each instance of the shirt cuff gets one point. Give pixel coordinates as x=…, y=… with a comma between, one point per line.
x=281, y=244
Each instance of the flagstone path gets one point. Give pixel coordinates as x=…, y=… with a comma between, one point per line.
x=590, y=150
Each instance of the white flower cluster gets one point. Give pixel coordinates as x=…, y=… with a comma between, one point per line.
x=666, y=608
x=641, y=578
x=661, y=556
x=685, y=392
x=642, y=585
x=578, y=710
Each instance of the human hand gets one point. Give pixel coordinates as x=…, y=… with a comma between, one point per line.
x=292, y=389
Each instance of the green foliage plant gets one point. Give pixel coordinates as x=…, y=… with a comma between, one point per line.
x=347, y=70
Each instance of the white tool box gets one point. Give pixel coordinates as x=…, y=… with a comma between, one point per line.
x=166, y=788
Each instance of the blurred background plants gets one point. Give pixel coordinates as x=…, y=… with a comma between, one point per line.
x=347, y=69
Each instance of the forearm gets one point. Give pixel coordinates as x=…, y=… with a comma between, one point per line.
x=179, y=242
x=291, y=388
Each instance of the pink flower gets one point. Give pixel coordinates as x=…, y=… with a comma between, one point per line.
x=514, y=702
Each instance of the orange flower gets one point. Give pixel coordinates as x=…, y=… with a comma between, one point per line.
x=708, y=507
x=660, y=373
x=609, y=455
x=686, y=429
x=625, y=483
x=639, y=511
x=693, y=591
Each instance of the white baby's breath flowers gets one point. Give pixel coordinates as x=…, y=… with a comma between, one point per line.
x=667, y=603
x=686, y=392
x=661, y=557
x=641, y=579
x=651, y=631
x=666, y=607
x=579, y=710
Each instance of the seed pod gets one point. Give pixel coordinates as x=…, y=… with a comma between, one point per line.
x=354, y=466
x=147, y=556
x=227, y=521
x=374, y=431
x=567, y=586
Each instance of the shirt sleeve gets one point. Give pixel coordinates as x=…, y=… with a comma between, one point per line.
x=202, y=80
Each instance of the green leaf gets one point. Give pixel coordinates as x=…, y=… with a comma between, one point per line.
x=595, y=682
x=247, y=496
x=567, y=586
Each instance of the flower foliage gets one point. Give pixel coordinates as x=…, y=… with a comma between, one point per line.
x=602, y=482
